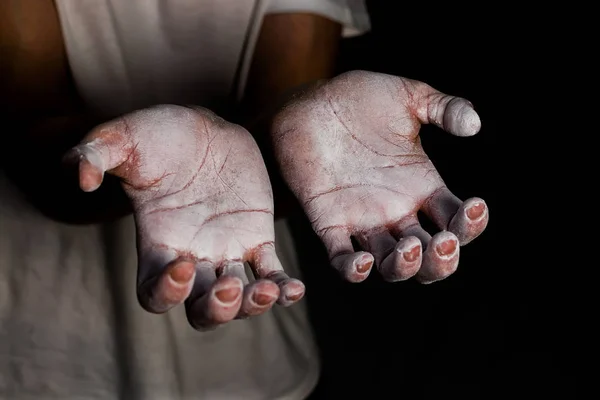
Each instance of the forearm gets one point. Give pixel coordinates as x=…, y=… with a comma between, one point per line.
x=292, y=50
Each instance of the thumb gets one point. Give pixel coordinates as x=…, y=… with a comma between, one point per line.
x=103, y=149
x=453, y=114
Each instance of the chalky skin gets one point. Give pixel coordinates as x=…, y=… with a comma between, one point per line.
x=349, y=150
x=203, y=206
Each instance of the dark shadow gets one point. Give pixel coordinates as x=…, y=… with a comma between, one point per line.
x=476, y=333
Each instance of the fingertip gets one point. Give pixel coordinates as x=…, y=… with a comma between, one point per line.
x=476, y=209
x=470, y=220
x=446, y=247
x=292, y=291
x=264, y=299
x=411, y=249
x=263, y=292
x=90, y=176
x=404, y=262
x=182, y=272
x=440, y=259
x=218, y=306
x=259, y=297
x=228, y=290
x=364, y=263
x=461, y=119
x=470, y=123
x=354, y=267
x=168, y=289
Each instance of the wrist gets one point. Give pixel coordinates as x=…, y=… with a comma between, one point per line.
x=257, y=115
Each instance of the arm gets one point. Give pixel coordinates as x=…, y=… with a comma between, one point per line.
x=292, y=50
x=46, y=116
x=49, y=117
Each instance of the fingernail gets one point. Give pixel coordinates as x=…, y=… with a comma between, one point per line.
x=475, y=211
x=446, y=248
x=90, y=177
x=294, y=296
x=228, y=295
x=364, y=265
x=412, y=254
x=293, y=290
x=182, y=272
x=263, y=299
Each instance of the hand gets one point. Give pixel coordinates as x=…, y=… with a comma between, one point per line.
x=203, y=206
x=350, y=151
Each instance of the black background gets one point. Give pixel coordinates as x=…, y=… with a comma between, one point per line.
x=484, y=331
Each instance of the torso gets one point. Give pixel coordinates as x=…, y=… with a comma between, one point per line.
x=70, y=323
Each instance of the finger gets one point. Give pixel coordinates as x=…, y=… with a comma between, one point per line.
x=466, y=220
x=266, y=265
x=453, y=114
x=354, y=266
x=105, y=148
x=380, y=244
x=164, y=280
x=214, y=301
x=257, y=297
x=403, y=260
x=440, y=254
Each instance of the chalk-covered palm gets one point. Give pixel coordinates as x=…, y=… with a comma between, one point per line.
x=203, y=205
x=349, y=149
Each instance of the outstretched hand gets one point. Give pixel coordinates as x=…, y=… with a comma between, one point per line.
x=203, y=206
x=349, y=150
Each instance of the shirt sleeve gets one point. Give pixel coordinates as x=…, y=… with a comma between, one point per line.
x=352, y=14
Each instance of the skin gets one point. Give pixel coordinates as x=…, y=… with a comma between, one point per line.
x=292, y=50
x=179, y=267
x=349, y=150
x=197, y=221
x=39, y=96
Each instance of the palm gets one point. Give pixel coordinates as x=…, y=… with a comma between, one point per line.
x=203, y=206
x=350, y=151
x=205, y=191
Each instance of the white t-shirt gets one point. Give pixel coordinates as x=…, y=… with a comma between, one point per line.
x=70, y=324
